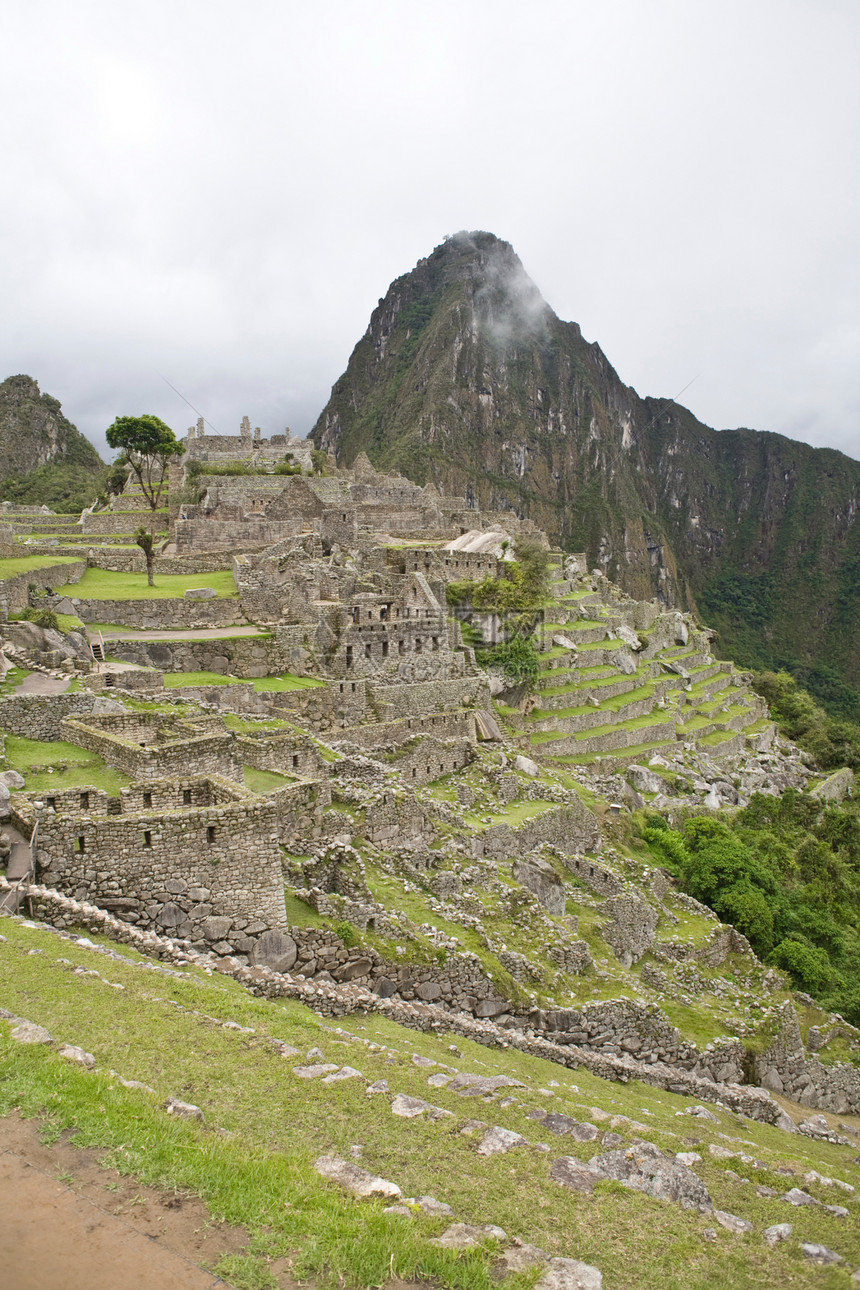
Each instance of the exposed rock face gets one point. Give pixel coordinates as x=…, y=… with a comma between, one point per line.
x=466, y=377
x=541, y=879
x=34, y=432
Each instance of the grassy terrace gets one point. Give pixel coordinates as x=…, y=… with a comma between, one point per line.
x=101, y=584
x=260, y=1173
x=262, y=684
x=264, y=781
x=596, y=683
x=12, y=565
x=608, y=705
x=58, y=764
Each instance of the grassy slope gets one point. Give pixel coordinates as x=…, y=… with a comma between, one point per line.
x=101, y=584
x=261, y=1173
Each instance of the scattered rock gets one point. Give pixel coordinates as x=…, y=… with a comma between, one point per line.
x=436, y=1208
x=463, y=1236
x=520, y=1257
x=79, y=1055
x=570, y=1274
x=645, y=1168
x=497, y=1140
x=572, y=1173
x=779, y=1232
x=378, y=1086
x=409, y=1107
x=820, y=1254
x=355, y=1179
x=797, y=1197
x=739, y=1226
x=314, y=1072
x=27, y=1032
x=345, y=1072
x=187, y=1110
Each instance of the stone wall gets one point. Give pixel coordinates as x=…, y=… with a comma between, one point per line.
x=567, y=828
x=173, y=867
x=389, y=734
x=395, y=701
x=151, y=746
x=337, y=706
x=244, y=656
x=14, y=591
x=330, y=998
x=125, y=521
x=41, y=716
x=429, y=758
x=786, y=1068
x=283, y=752
x=300, y=809
x=158, y=615
x=132, y=560
x=397, y=819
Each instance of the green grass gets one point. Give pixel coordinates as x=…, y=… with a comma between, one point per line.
x=15, y=564
x=70, y=766
x=264, y=781
x=101, y=584
x=175, y=680
x=261, y=1173
x=278, y=684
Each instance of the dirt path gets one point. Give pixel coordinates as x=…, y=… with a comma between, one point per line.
x=69, y=1223
x=66, y=1223
x=183, y=634
x=38, y=683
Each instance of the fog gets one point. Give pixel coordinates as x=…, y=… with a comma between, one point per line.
x=216, y=196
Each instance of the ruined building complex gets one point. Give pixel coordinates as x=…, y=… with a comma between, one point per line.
x=316, y=734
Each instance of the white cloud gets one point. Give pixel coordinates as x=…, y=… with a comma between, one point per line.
x=221, y=195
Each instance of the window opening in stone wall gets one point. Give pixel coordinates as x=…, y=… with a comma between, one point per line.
x=85, y=801
x=414, y=772
x=295, y=761
x=349, y=656
x=418, y=645
x=186, y=797
x=210, y=834
x=147, y=800
x=52, y=804
x=385, y=649
x=368, y=649
x=81, y=846
x=147, y=839
x=435, y=642
x=401, y=647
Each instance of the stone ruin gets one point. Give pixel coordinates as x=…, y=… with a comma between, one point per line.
x=399, y=754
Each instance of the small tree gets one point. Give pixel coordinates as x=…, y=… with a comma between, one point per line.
x=148, y=445
x=146, y=541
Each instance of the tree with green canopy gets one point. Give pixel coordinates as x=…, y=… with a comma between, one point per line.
x=148, y=445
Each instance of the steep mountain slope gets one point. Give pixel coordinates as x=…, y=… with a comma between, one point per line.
x=44, y=459
x=466, y=377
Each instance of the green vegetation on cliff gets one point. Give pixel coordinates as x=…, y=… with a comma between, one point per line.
x=44, y=460
x=466, y=377
x=785, y=871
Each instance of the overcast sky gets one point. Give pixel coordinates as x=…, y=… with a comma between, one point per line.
x=218, y=193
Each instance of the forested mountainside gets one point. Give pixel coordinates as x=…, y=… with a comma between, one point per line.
x=466, y=377
x=44, y=459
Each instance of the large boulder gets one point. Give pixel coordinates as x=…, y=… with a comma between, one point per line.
x=541, y=879
x=275, y=950
x=645, y=1168
x=645, y=780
